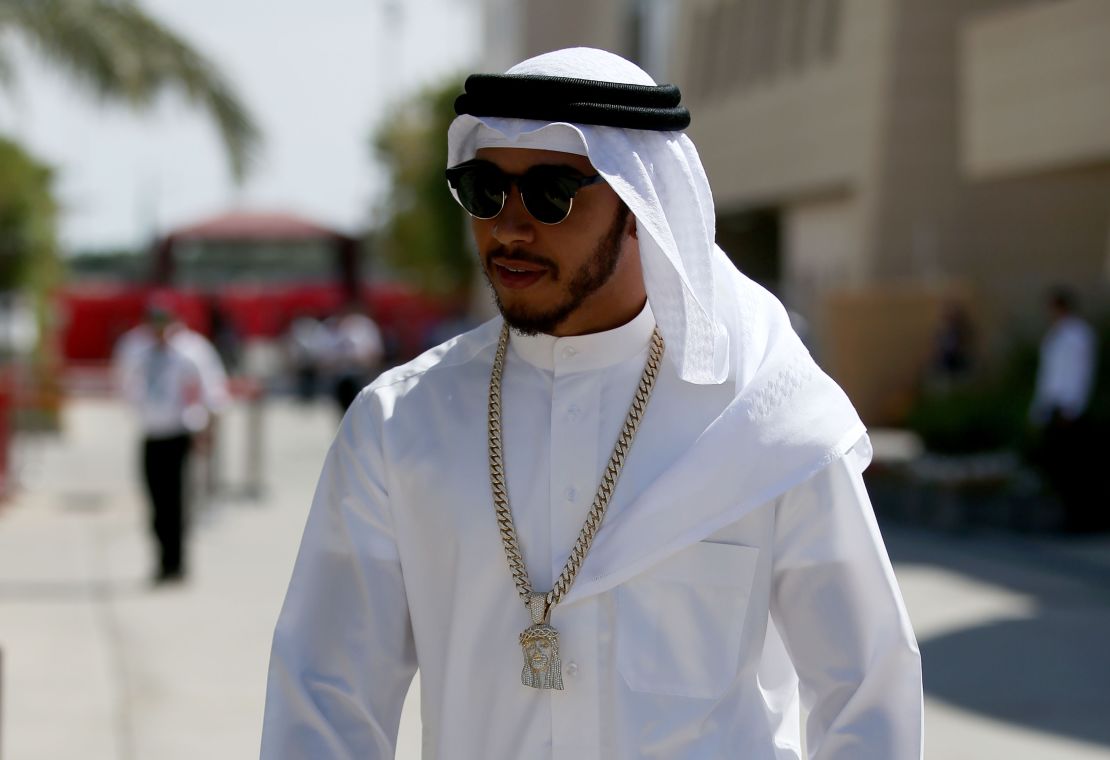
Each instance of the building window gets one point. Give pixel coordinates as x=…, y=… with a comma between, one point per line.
x=736, y=45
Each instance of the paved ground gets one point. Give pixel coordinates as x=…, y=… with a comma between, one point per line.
x=99, y=665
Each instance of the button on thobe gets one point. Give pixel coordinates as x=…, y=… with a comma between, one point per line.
x=590, y=381
x=576, y=450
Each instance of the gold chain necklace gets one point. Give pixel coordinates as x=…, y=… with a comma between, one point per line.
x=540, y=641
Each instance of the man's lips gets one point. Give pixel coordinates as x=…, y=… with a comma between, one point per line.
x=515, y=273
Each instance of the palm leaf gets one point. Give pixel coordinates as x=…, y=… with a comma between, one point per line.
x=119, y=52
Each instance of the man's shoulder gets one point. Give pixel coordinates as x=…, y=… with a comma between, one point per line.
x=444, y=364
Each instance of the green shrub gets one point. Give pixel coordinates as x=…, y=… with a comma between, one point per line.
x=985, y=413
x=991, y=411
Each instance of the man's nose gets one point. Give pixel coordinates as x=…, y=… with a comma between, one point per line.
x=514, y=224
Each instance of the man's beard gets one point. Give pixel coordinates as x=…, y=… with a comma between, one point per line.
x=590, y=277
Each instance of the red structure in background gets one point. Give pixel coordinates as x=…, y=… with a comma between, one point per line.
x=259, y=271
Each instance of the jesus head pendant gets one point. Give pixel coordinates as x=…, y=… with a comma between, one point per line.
x=542, y=667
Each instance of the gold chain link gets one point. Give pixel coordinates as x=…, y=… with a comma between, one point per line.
x=604, y=491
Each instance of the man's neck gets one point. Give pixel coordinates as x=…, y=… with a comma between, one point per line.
x=616, y=318
x=586, y=351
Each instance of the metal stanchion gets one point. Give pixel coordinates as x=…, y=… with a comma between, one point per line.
x=254, y=456
x=1, y=703
x=213, y=480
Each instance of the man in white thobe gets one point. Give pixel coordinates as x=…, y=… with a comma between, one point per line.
x=701, y=577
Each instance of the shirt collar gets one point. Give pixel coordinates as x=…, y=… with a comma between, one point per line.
x=577, y=353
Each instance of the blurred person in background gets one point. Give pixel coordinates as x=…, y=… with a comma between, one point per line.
x=225, y=338
x=353, y=351
x=954, y=341
x=164, y=384
x=457, y=320
x=738, y=583
x=1065, y=378
x=304, y=348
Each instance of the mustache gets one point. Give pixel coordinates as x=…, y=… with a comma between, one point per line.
x=519, y=254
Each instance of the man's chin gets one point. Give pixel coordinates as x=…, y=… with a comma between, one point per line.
x=521, y=313
x=530, y=325
x=530, y=322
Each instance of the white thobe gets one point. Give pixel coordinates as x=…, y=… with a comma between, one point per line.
x=401, y=566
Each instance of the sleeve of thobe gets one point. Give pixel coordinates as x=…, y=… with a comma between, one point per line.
x=343, y=653
x=837, y=605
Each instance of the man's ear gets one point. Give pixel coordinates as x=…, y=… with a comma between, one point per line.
x=632, y=232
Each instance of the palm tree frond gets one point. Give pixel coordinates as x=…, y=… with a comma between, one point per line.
x=121, y=53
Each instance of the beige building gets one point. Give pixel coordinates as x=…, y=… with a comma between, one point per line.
x=874, y=160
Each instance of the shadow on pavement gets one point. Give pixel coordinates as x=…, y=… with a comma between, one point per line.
x=1046, y=674
x=1049, y=671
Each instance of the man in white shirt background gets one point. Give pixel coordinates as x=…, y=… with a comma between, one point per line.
x=164, y=385
x=1067, y=450
x=625, y=519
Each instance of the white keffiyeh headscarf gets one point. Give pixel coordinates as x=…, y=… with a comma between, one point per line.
x=661, y=179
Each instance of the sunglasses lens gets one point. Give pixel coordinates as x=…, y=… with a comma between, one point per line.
x=547, y=191
x=548, y=195
x=481, y=192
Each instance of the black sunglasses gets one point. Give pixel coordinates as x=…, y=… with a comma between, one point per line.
x=546, y=190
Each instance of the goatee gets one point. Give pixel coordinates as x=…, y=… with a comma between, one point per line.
x=590, y=277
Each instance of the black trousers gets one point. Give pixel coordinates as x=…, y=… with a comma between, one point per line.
x=164, y=473
x=308, y=377
x=347, y=387
x=1070, y=460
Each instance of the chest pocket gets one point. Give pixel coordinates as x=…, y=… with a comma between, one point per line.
x=679, y=625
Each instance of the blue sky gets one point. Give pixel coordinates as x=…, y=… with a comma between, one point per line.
x=316, y=76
